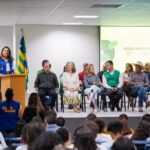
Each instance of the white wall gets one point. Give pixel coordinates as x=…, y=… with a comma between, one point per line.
x=6, y=37
x=59, y=44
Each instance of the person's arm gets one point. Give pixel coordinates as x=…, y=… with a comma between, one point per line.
x=85, y=81
x=64, y=83
x=105, y=83
x=77, y=82
x=37, y=81
x=146, y=81
x=120, y=81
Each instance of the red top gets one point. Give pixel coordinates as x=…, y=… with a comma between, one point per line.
x=81, y=76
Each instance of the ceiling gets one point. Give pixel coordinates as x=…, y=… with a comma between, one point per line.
x=56, y=12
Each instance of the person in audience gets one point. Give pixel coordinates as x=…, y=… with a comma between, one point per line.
x=70, y=81
x=92, y=85
x=50, y=121
x=90, y=117
x=66, y=137
x=34, y=108
x=127, y=131
x=83, y=73
x=48, y=141
x=146, y=117
x=101, y=136
x=6, y=61
x=113, y=82
x=30, y=132
x=139, y=83
x=47, y=84
x=123, y=143
x=85, y=140
x=115, y=129
x=10, y=113
x=142, y=132
x=3, y=144
x=60, y=121
x=37, y=119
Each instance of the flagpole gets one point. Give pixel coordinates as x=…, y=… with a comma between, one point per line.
x=22, y=32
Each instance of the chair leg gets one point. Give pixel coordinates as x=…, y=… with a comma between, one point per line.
x=62, y=104
x=84, y=103
x=124, y=99
x=57, y=105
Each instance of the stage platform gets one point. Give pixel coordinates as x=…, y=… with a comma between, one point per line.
x=74, y=120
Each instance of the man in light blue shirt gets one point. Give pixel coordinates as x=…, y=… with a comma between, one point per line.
x=50, y=121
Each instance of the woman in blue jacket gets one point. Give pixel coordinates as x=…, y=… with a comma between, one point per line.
x=6, y=61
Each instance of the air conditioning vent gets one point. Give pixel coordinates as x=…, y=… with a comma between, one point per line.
x=105, y=6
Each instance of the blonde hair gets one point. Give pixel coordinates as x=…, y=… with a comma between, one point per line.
x=88, y=69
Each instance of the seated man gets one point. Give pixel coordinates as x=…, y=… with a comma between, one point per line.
x=115, y=129
x=47, y=84
x=112, y=81
x=139, y=82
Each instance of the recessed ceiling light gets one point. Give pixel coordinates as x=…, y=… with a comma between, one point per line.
x=86, y=17
x=72, y=23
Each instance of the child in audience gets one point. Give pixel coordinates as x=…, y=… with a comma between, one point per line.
x=34, y=108
x=66, y=137
x=101, y=136
x=123, y=143
x=60, y=121
x=115, y=129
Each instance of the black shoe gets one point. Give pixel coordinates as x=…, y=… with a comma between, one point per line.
x=70, y=106
x=112, y=108
x=118, y=108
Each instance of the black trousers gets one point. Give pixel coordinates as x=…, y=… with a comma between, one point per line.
x=114, y=96
x=43, y=92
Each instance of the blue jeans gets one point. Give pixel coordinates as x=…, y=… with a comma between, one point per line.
x=141, y=91
x=97, y=90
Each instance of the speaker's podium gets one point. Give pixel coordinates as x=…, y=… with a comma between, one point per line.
x=18, y=83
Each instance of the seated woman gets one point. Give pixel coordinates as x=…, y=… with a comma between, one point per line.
x=34, y=108
x=10, y=113
x=92, y=85
x=126, y=84
x=70, y=82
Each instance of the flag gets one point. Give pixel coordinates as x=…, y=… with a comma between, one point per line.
x=22, y=64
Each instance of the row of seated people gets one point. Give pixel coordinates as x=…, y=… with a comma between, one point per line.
x=39, y=134
x=109, y=80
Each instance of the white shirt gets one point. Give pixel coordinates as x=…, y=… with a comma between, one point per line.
x=103, y=137
x=7, y=65
x=22, y=147
x=3, y=143
x=108, y=145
